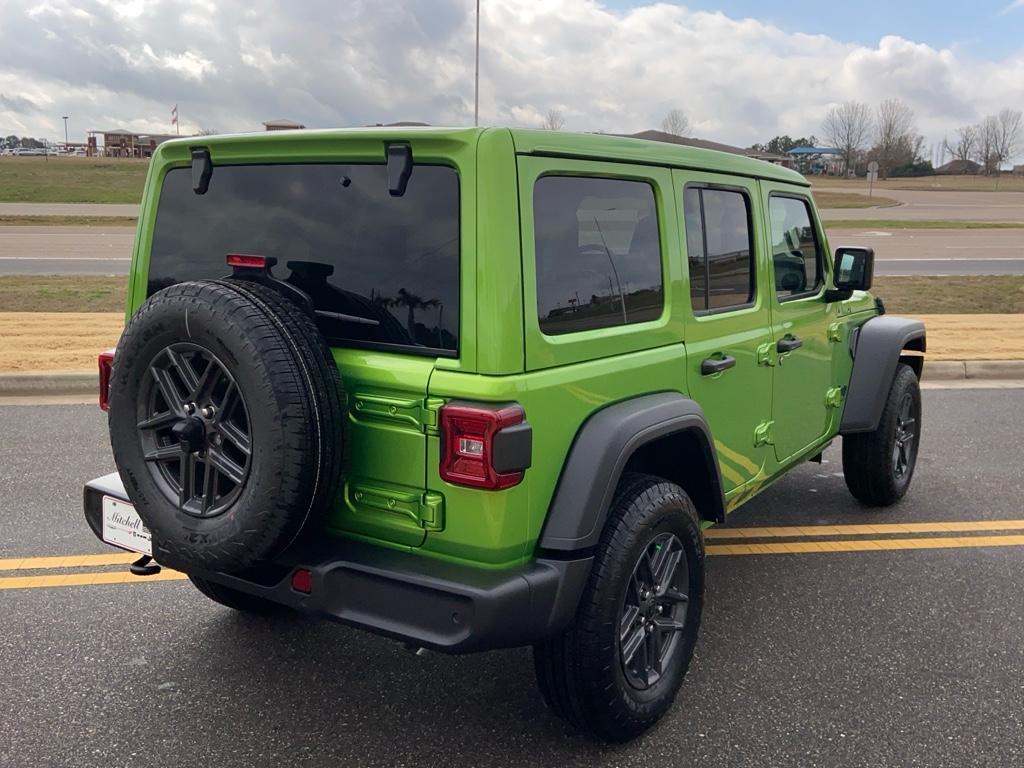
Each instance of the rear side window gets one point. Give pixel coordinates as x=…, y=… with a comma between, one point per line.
x=720, y=250
x=390, y=262
x=796, y=257
x=598, y=253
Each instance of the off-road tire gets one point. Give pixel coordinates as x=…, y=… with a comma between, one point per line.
x=293, y=396
x=580, y=672
x=868, y=457
x=236, y=599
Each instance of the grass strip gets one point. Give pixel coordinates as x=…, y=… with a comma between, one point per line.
x=68, y=221
x=34, y=293
x=945, y=224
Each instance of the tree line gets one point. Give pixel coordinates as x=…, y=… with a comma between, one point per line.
x=888, y=135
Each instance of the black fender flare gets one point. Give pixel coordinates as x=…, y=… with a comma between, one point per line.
x=876, y=347
x=599, y=453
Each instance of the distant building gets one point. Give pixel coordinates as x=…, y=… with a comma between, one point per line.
x=686, y=141
x=818, y=160
x=1018, y=170
x=120, y=142
x=960, y=168
x=282, y=125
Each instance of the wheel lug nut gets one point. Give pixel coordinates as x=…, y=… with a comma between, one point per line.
x=208, y=412
x=190, y=408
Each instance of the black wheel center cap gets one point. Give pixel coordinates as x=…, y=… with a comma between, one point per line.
x=190, y=432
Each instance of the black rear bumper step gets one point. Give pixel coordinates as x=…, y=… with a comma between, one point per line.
x=416, y=599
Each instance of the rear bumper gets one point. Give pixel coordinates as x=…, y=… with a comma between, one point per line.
x=409, y=597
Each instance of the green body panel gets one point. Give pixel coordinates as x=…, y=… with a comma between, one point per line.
x=765, y=417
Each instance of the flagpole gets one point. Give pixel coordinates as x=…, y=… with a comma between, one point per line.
x=476, y=94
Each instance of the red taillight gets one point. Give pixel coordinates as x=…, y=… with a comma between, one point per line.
x=467, y=445
x=246, y=260
x=302, y=581
x=106, y=363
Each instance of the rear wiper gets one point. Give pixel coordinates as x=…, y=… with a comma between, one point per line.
x=346, y=318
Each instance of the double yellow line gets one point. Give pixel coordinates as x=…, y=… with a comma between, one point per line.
x=744, y=541
x=778, y=540
x=79, y=579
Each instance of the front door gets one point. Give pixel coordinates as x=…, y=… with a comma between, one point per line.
x=728, y=333
x=800, y=320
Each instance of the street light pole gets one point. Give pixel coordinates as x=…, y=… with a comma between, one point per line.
x=65, y=119
x=476, y=93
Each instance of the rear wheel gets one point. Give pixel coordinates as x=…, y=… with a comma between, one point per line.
x=616, y=670
x=233, y=598
x=878, y=466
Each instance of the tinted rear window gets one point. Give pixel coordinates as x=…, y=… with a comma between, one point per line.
x=336, y=233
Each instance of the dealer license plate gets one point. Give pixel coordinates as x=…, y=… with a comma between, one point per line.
x=123, y=527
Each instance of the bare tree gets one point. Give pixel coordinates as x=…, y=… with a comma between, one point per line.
x=1010, y=135
x=676, y=122
x=965, y=145
x=896, y=139
x=553, y=121
x=988, y=138
x=848, y=129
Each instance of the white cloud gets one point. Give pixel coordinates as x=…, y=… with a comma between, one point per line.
x=1013, y=6
x=233, y=63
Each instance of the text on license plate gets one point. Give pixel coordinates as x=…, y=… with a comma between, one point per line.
x=123, y=527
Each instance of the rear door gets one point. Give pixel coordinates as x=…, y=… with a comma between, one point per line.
x=728, y=336
x=800, y=319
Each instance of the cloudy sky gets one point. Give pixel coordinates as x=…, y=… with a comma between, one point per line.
x=743, y=70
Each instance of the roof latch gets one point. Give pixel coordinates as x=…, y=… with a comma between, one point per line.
x=202, y=170
x=399, y=168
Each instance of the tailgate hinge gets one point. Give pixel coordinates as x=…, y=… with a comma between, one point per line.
x=429, y=414
x=764, y=433
x=835, y=332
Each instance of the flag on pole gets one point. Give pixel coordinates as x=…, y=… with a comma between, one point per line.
x=174, y=115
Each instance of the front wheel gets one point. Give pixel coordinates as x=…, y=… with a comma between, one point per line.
x=616, y=670
x=879, y=465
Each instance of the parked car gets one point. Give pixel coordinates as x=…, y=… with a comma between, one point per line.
x=485, y=388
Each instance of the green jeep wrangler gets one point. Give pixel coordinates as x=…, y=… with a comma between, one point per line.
x=484, y=388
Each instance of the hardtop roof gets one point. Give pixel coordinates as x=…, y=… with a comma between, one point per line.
x=531, y=141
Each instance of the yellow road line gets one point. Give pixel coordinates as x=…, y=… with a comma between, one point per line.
x=66, y=561
x=865, y=545
x=86, y=579
x=878, y=529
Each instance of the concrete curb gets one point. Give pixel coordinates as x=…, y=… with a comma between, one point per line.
x=61, y=383
x=75, y=383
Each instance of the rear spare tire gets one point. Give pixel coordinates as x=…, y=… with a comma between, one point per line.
x=225, y=423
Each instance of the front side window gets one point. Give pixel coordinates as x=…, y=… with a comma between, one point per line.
x=720, y=250
x=796, y=257
x=598, y=253
x=382, y=271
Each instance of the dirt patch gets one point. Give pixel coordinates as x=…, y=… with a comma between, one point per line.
x=974, y=337
x=55, y=341
x=69, y=341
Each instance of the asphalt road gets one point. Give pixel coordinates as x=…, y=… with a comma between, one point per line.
x=66, y=250
x=884, y=658
x=925, y=205
x=69, y=209
x=107, y=251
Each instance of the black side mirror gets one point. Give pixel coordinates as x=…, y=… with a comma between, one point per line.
x=854, y=269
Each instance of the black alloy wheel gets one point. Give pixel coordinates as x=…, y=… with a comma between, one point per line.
x=905, y=441
x=654, y=611
x=195, y=430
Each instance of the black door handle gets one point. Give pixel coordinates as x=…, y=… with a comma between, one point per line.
x=716, y=365
x=788, y=344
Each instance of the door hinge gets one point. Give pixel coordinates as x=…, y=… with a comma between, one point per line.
x=764, y=433
x=835, y=332
x=766, y=354
x=432, y=511
x=834, y=397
